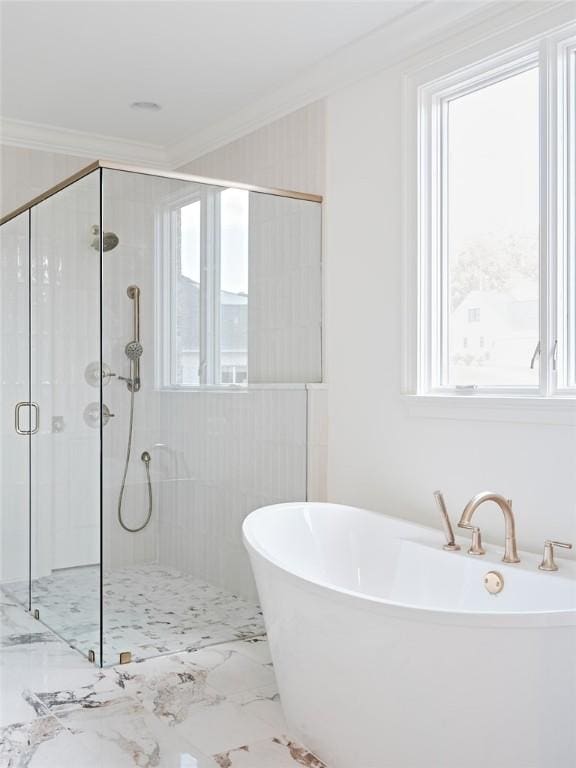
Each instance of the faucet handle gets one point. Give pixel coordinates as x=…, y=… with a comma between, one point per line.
x=548, y=563
x=476, y=547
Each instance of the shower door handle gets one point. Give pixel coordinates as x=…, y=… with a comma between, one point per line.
x=32, y=430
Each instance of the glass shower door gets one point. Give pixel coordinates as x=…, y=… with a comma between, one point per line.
x=66, y=384
x=14, y=395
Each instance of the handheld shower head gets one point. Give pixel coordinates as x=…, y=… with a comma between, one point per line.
x=133, y=350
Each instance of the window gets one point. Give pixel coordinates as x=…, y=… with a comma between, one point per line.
x=202, y=271
x=491, y=237
x=496, y=245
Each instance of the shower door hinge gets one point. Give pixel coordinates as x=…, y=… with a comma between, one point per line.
x=125, y=657
x=91, y=656
x=36, y=613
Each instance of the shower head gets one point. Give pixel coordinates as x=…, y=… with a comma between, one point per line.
x=133, y=350
x=109, y=239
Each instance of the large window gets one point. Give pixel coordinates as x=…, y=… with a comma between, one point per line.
x=497, y=258
x=202, y=275
x=491, y=239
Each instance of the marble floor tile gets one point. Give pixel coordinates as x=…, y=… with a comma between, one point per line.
x=256, y=648
x=18, y=704
x=35, y=665
x=207, y=673
x=199, y=695
x=278, y=752
x=122, y=736
x=123, y=733
x=263, y=703
x=207, y=708
x=230, y=670
x=17, y=627
x=148, y=610
x=20, y=742
x=32, y=660
x=224, y=726
x=90, y=694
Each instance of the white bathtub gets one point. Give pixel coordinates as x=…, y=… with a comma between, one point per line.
x=390, y=653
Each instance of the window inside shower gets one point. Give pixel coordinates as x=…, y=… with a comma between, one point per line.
x=202, y=300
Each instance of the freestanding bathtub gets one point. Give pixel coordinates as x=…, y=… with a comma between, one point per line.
x=391, y=653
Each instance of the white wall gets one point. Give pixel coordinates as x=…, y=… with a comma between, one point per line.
x=381, y=455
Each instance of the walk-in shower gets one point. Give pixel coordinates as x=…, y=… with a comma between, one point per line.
x=159, y=336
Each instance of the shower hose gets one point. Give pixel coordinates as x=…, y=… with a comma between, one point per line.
x=146, y=459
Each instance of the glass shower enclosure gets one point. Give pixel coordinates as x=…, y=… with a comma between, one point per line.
x=158, y=335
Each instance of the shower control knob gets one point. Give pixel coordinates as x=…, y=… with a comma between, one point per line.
x=92, y=415
x=96, y=374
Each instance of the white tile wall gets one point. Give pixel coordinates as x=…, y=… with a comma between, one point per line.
x=14, y=531
x=215, y=455
x=25, y=173
x=287, y=154
x=226, y=454
x=65, y=338
x=317, y=441
x=285, y=301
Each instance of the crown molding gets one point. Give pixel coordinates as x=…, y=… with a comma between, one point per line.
x=410, y=34
x=49, y=138
x=419, y=30
x=380, y=49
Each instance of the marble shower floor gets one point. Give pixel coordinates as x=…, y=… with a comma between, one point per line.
x=213, y=708
x=148, y=610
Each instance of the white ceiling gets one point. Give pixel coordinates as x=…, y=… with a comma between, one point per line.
x=79, y=65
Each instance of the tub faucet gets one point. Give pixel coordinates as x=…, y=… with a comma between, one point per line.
x=510, y=553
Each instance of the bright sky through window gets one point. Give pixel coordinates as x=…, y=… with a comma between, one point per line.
x=234, y=240
x=492, y=233
x=190, y=241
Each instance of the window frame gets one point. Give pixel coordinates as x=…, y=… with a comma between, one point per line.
x=167, y=269
x=425, y=289
x=565, y=63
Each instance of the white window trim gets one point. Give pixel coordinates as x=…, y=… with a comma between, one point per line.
x=167, y=241
x=457, y=74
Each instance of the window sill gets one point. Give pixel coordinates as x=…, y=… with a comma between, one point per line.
x=513, y=408
x=228, y=389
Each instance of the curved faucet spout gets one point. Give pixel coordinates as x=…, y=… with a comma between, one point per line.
x=510, y=552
